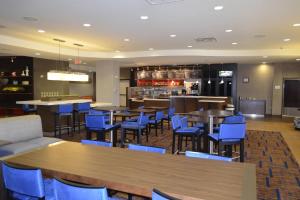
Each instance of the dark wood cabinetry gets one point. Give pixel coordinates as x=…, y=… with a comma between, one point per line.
x=15, y=83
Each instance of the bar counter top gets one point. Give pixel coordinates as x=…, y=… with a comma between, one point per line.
x=53, y=103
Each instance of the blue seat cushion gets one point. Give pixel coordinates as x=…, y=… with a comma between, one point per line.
x=214, y=136
x=188, y=130
x=153, y=121
x=199, y=125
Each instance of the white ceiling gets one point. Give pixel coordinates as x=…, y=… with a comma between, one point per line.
x=114, y=20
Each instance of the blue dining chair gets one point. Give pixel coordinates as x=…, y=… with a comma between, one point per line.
x=230, y=134
x=181, y=129
x=136, y=147
x=137, y=127
x=26, y=183
x=27, y=109
x=80, y=109
x=233, y=119
x=156, y=122
x=97, y=124
x=99, y=112
x=167, y=117
x=66, y=190
x=158, y=195
x=193, y=154
x=98, y=143
x=60, y=112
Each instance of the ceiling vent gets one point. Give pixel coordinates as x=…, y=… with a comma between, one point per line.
x=206, y=39
x=160, y=2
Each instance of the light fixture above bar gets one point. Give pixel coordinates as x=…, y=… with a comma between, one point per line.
x=55, y=75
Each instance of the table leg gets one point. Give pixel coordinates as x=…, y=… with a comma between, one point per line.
x=210, y=131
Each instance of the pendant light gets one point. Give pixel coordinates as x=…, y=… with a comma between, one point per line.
x=62, y=75
x=209, y=81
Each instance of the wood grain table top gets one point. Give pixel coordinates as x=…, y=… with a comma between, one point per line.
x=139, y=172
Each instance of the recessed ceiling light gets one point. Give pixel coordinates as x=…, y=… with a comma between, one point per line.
x=41, y=31
x=150, y=49
x=228, y=30
x=30, y=19
x=298, y=59
x=87, y=25
x=264, y=63
x=190, y=46
x=37, y=54
x=286, y=39
x=265, y=56
x=117, y=51
x=144, y=17
x=69, y=59
x=84, y=63
x=296, y=25
x=126, y=39
x=234, y=43
x=172, y=35
x=218, y=7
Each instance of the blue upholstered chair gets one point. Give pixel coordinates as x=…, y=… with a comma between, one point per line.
x=167, y=117
x=80, y=109
x=230, y=134
x=27, y=109
x=206, y=156
x=99, y=112
x=98, y=143
x=156, y=122
x=137, y=127
x=158, y=195
x=65, y=190
x=233, y=119
x=181, y=129
x=60, y=112
x=136, y=147
x=97, y=124
x=26, y=183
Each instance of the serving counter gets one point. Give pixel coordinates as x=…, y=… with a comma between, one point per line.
x=45, y=110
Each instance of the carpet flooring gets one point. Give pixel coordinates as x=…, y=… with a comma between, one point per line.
x=277, y=172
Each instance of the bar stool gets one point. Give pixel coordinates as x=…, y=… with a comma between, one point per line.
x=80, y=109
x=64, y=111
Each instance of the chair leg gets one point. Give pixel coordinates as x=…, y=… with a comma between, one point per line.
x=122, y=137
x=242, y=151
x=193, y=142
x=199, y=143
x=59, y=126
x=55, y=125
x=138, y=136
x=168, y=123
x=68, y=125
x=147, y=134
x=88, y=135
x=78, y=121
x=173, y=143
x=161, y=127
x=180, y=138
x=156, y=128
x=74, y=117
x=186, y=141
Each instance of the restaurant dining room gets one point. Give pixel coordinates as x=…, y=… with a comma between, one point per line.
x=149, y=99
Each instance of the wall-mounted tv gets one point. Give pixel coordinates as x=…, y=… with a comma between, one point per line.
x=225, y=73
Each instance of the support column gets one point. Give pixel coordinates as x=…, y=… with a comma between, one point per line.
x=108, y=82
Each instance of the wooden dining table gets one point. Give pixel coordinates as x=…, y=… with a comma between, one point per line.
x=138, y=173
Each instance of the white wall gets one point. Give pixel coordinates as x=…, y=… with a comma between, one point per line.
x=107, y=82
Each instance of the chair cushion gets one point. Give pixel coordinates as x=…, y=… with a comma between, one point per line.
x=28, y=145
x=188, y=130
x=214, y=136
x=153, y=121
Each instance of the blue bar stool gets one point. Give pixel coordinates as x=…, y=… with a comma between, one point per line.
x=136, y=147
x=26, y=183
x=64, y=111
x=230, y=134
x=193, y=154
x=158, y=195
x=180, y=129
x=80, y=109
x=156, y=122
x=137, y=127
x=96, y=123
x=167, y=117
x=27, y=109
x=66, y=190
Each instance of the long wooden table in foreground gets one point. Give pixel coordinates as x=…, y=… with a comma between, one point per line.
x=139, y=172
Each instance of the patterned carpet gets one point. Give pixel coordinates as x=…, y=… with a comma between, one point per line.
x=278, y=173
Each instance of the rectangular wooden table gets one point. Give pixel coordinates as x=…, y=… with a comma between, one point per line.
x=139, y=172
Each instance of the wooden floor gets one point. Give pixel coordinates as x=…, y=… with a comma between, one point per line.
x=278, y=124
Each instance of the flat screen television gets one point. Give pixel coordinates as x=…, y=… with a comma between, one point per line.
x=225, y=73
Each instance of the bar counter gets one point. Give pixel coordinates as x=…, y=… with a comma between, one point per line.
x=45, y=110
